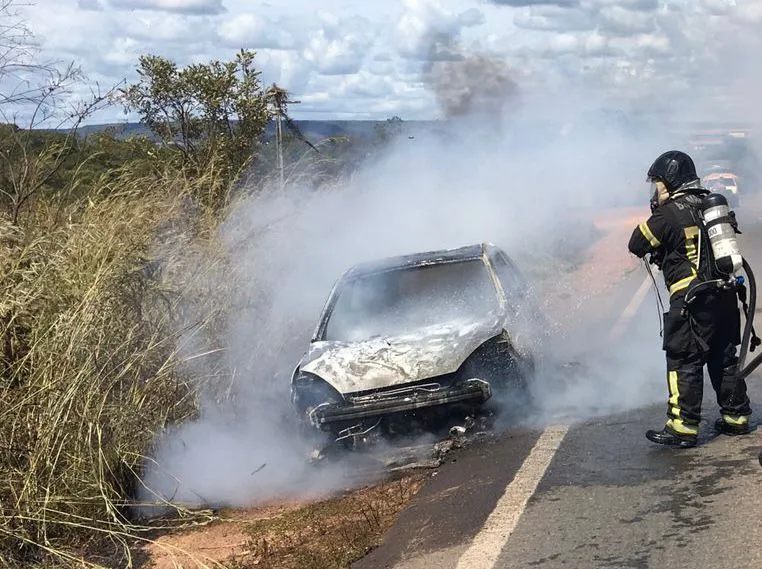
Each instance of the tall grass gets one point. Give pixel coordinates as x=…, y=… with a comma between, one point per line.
x=88, y=367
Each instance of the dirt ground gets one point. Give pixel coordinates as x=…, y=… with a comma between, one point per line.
x=208, y=545
x=333, y=531
x=327, y=533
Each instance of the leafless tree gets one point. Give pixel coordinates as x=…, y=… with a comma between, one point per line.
x=34, y=94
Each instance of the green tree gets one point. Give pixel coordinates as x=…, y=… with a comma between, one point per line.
x=388, y=131
x=213, y=114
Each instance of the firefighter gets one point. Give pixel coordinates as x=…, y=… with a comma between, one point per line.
x=708, y=331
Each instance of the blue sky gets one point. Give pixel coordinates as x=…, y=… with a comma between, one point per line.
x=369, y=58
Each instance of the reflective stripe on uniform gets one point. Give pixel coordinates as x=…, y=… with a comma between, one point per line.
x=675, y=422
x=735, y=419
x=680, y=427
x=648, y=234
x=674, y=393
x=681, y=284
x=691, y=245
x=691, y=252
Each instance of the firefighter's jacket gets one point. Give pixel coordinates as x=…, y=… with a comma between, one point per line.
x=671, y=236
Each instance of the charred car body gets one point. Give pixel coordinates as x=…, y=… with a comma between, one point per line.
x=407, y=338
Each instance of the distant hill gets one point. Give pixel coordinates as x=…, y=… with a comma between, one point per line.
x=697, y=135
x=121, y=130
x=312, y=129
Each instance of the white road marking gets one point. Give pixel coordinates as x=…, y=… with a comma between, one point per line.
x=502, y=521
x=624, y=319
x=489, y=542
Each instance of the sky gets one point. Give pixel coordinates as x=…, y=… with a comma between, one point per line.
x=369, y=60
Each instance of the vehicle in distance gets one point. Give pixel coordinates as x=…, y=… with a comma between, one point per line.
x=407, y=340
x=725, y=183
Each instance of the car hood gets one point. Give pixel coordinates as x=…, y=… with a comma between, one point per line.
x=385, y=362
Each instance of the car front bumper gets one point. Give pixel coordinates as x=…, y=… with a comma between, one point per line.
x=400, y=400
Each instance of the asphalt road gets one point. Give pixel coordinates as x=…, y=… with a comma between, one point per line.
x=597, y=493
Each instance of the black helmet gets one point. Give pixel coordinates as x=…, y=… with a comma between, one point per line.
x=673, y=168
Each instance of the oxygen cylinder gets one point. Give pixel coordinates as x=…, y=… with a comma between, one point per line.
x=722, y=235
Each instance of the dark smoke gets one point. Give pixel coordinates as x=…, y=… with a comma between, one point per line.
x=469, y=84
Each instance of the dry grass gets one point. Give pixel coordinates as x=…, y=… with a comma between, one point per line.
x=94, y=295
x=88, y=367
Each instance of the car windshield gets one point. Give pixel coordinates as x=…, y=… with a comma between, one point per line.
x=403, y=301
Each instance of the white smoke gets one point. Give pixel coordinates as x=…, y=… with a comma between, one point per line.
x=528, y=187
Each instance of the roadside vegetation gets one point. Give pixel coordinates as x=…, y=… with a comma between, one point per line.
x=88, y=303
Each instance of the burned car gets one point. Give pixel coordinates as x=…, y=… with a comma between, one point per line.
x=405, y=339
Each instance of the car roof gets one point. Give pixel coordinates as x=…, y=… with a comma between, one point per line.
x=718, y=175
x=466, y=253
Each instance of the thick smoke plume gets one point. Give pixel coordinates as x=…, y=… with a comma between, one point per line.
x=533, y=188
x=476, y=86
x=473, y=84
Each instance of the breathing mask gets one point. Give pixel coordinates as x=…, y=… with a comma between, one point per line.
x=659, y=193
x=654, y=201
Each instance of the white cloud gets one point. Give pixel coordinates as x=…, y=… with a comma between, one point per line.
x=154, y=28
x=520, y=3
x=123, y=52
x=180, y=6
x=426, y=29
x=748, y=12
x=596, y=44
x=340, y=46
x=257, y=32
x=553, y=18
x=717, y=7
x=286, y=68
x=368, y=57
x=89, y=4
x=620, y=20
x=641, y=5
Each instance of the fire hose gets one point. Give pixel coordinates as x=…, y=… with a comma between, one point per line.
x=747, y=344
x=749, y=340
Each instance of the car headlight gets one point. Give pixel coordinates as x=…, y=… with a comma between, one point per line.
x=309, y=390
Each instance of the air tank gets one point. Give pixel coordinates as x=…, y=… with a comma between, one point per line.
x=722, y=235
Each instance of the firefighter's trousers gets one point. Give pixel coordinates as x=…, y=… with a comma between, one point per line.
x=708, y=335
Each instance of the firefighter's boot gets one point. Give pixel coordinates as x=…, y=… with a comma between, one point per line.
x=732, y=428
x=669, y=437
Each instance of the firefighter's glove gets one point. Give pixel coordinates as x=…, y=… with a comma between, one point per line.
x=656, y=257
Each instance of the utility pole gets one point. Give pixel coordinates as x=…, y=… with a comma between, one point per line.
x=279, y=97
